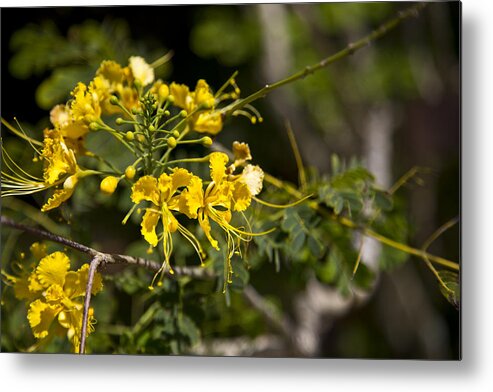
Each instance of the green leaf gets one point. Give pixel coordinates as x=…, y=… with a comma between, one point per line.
x=383, y=201
x=57, y=87
x=451, y=291
x=188, y=329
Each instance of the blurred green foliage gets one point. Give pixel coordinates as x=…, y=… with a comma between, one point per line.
x=65, y=60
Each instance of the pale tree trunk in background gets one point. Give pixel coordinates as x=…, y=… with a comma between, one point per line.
x=276, y=64
x=318, y=305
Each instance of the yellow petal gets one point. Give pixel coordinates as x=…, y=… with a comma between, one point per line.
x=206, y=227
x=170, y=224
x=146, y=188
x=241, y=152
x=164, y=185
x=253, y=177
x=60, y=116
x=111, y=71
x=181, y=94
x=180, y=178
x=59, y=159
x=203, y=94
x=40, y=316
x=34, y=285
x=141, y=71
x=76, y=282
x=208, y=122
x=148, y=226
x=241, y=196
x=52, y=269
x=54, y=293
x=217, y=164
x=192, y=198
x=57, y=199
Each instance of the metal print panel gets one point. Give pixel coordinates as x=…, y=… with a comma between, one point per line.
x=275, y=180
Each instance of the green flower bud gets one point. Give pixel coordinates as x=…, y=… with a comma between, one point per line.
x=206, y=141
x=130, y=135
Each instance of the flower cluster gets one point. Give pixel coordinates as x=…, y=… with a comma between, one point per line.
x=182, y=192
x=152, y=119
x=54, y=295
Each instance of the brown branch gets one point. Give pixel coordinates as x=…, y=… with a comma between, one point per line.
x=101, y=258
x=93, y=266
x=108, y=258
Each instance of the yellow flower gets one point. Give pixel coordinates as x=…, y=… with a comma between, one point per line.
x=85, y=104
x=60, y=167
x=163, y=193
x=141, y=71
x=54, y=296
x=201, y=103
x=226, y=193
x=223, y=195
x=58, y=158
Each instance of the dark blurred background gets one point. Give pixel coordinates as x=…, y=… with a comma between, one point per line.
x=394, y=104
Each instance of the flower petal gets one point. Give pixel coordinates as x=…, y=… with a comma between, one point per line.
x=181, y=94
x=141, y=71
x=192, y=198
x=206, y=227
x=52, y=269
x=57, y=199
x=40, y=316
x=208, y=122
x=241, y=196
x=217, y=164
x=148, y=226
x=146, y=188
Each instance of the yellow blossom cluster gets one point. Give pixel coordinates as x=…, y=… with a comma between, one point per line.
x=153, y=119
x=54, y=295
x=182, y=192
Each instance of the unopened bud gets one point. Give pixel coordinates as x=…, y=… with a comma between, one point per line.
x=141, y=138
x=119, y=121
x=114, y=100
x=183, y=113
x=109, y=184
x=94, y=126
x=206, y=141
x=70, y=182
x=130, y=135
x=152, y=128
x=130, y=172
x=176, y=133
x=171, y=142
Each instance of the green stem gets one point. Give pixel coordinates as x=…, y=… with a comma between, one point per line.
x=348, y=50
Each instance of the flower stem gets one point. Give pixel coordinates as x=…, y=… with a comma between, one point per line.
x=347, y=51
